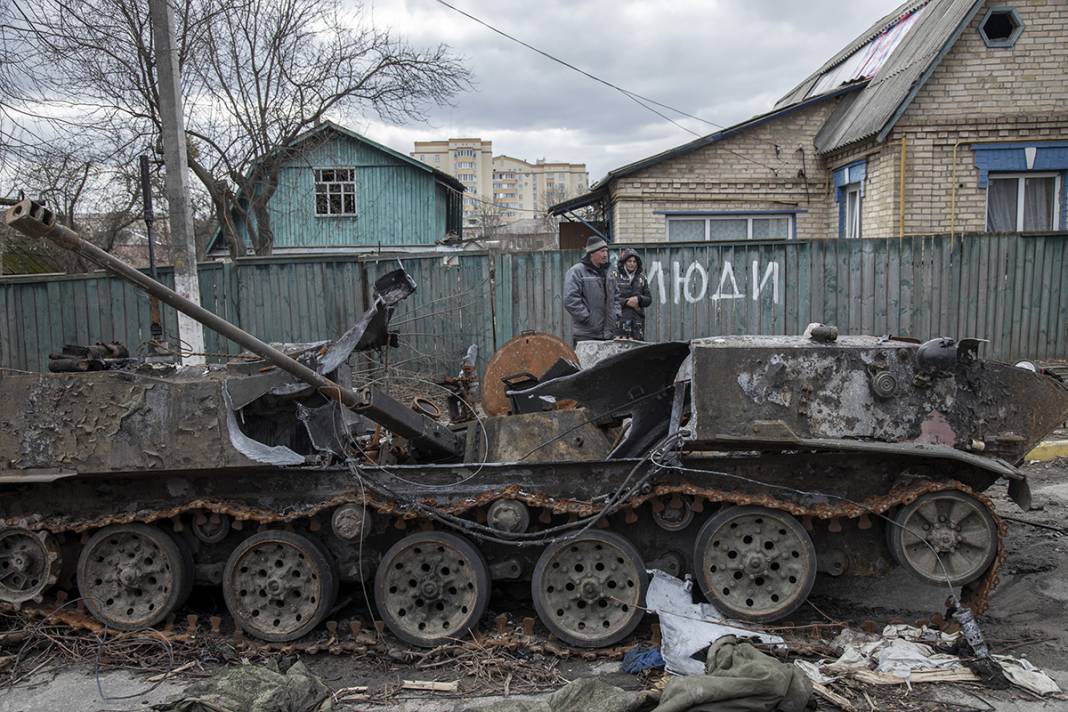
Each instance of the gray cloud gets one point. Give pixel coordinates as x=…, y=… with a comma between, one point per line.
x=722, y=60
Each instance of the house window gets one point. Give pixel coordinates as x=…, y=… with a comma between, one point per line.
x=335, y=191
x=852, y=212
x=849, y=194
x=729, y=227
x=1018, y=202
x=1001, y=26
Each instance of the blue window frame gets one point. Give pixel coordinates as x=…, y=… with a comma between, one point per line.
x=1025, y=185
x=849, y=194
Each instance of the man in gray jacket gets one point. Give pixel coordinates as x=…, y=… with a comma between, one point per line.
x=590, y=295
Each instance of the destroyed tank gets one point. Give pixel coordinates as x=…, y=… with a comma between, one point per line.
x=753, y=464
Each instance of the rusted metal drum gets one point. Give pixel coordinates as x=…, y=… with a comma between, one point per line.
x=532, y=352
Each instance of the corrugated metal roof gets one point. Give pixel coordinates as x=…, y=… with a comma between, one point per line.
x=880, y=72
x=875, y=109
x=599, y=189
x=802, y=90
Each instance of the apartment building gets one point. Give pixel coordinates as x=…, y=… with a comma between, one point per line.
x=469, y=160
x=509, y=188
x=521, y=187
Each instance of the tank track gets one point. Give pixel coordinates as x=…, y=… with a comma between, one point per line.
x=334, y=640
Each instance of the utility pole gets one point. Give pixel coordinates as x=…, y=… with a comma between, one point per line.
x=175, y=158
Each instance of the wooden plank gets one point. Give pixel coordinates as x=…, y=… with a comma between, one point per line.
x=848, y=276
x=983, y=290
x=1043, y=280
x=35, y=312
x=1054, y=256
x=962, y=294
x=7, y=332
x=1004, y=318
x=865, y=295
x=1061, y=314
x=1018, y=314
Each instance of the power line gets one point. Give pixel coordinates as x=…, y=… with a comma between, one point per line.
x=636, y=98
x=633, y=96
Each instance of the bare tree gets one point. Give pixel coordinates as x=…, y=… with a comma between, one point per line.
x=90, y=194
x=491, y=218
x=257, y=74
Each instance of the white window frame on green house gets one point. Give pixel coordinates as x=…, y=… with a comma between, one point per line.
x=715, y=222
x=331, y=188
x=1021, y=179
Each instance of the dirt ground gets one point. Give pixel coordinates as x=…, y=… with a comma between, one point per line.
x=1028, y=617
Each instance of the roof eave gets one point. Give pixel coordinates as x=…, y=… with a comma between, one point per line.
x=712, y=138
x=581, y=201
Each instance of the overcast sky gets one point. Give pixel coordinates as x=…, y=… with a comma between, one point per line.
x=721, y=60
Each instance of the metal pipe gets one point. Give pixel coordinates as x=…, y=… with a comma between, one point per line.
x=34, y=220
x=953, y=192
x=901, y=190
x=424, y=433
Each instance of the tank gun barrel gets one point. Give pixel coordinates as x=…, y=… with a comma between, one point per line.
x=36, y=221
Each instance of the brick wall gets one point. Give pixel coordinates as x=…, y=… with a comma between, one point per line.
x=735, y=173
x=977, y=94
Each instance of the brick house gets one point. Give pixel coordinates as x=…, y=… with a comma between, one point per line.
x=945, y=116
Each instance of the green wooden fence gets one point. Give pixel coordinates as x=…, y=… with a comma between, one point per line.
x=1009, y=289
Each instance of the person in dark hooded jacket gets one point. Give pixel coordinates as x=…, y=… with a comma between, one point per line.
x=632, y=294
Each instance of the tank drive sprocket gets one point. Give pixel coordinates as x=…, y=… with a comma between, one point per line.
x=432, y=587
x=29, y=564
x=589, y=591
x=279, y=585
x=755, y=563
x=132, y=576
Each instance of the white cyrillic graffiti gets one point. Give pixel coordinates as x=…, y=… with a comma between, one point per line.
x=691, y=285
x=772, y=273
x=727, y=273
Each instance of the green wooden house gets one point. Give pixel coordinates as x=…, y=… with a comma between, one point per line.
x=343, y=192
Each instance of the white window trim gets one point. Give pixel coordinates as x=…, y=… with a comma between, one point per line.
x=854, y=225
x=748, y=217
x=1020, y=183
x=342, y=183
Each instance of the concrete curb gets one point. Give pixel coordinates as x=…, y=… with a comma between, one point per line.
x=1049, y=450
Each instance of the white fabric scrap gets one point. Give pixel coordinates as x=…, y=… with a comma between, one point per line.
x=850, y=638
x=1022, y=673
x=688, y=628
x=919, y=635
x=812, y=672
x=901, y=658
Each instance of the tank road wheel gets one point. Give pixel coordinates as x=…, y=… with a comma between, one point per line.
x=279, y=585
x=588, y=591
x=432, y=587
x=958, y=526
x=29, y=563
x=133, y=576
x=755, y=563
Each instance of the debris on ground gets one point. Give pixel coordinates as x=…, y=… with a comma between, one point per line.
x=587, y=694
x=905, y=654
x=640, y=658
x=255, y=688
x=688, y=628
x=740, y=678
x=737, y=677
